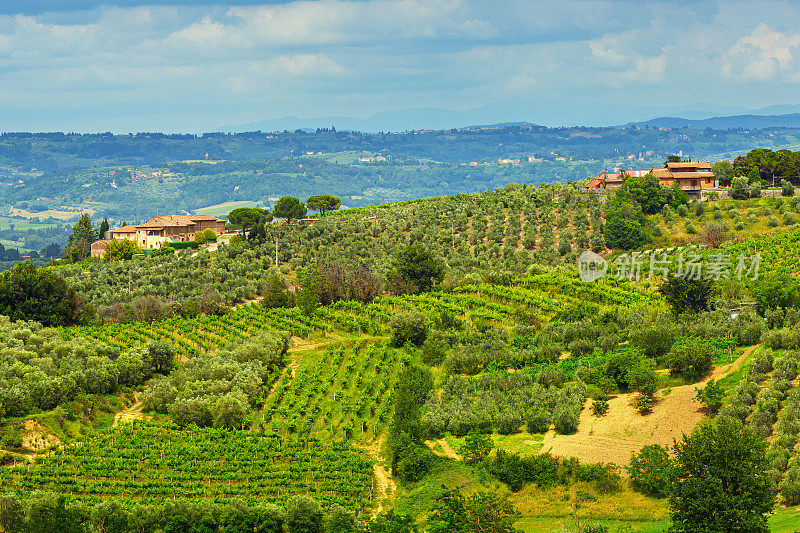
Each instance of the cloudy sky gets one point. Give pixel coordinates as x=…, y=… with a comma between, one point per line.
x=130, y=65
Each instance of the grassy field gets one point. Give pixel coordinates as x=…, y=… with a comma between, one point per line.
x=223, y=209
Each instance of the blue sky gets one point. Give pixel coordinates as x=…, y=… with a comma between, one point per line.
x=85, y=65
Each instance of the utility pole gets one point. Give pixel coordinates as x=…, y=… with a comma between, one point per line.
x=276, y=251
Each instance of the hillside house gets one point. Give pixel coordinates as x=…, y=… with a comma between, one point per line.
x=171, y=228
x=691, y=176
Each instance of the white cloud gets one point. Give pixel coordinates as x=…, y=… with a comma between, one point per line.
x=764, y=54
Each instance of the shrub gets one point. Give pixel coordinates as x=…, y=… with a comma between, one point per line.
x=515, y=471
x=600, y=406
x=580, y=347
x=692, y=358
x=644, y=404
x=409, y=327
x=566, y=419
x=303, y=515
x=434, y=349
x=654, y=341
x=711, y=396
x=476, y=447
x=605, y=476
x=538, y=421
x=652, y=471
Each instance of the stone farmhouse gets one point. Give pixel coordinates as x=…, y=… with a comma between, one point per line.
x=693, y=177
x=161, y=229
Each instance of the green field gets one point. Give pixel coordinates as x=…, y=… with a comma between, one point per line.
x=221, y=210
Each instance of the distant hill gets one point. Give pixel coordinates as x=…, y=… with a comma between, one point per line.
x=790, y=120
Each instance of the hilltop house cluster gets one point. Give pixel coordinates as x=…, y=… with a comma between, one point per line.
x=159, y=230
x=693, y=177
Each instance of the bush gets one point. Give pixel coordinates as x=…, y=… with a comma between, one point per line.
x=476, y=447
x=652, y=471
x=711, y=396
x=515, y=471
x=566, y=419
x=538, y=421
x=600, y=406
x=691, y=359
x=772, y=222
x=409, y=327
x=605, y=476
x=580, y=347
x=654, y=341
x=644, y=404
x=303, y=515
x=434, y=349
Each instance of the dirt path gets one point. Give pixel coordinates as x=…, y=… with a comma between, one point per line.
x=134, y=412
x=384, y=486
x=614, y=437
x=445, y=451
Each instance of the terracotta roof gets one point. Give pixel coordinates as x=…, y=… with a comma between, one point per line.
x=174, y=220
x=125, y=229
x=689, y=164
x=595, y=183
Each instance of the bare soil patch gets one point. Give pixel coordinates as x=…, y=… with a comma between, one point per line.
x=614, y=437
x=36, y=438
x=443, y=450
x=134, y=412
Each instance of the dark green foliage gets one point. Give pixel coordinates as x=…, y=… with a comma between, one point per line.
x=411, y=459
x=629, y=370
x=515, y=470
x=478, y=513
x=654, y=341
x=289, y=208
x=409, y=327
x=392, y=522
x=692, y=358
x=687, y=295
x=28, y=293
x=625, y=224
x=720, y=480
x=774, y=290
x=417, y=265
x=646, y=191
x=275, y=295
x=80, y=240
x=303, y=515
x=476, y=447
x=711, y=396
x=251, y=221
x=323, y=203
x=312, y=286
x=677, y=196
x=600, y=406
x=104, y=227
x=652, y=471
x=644, y=404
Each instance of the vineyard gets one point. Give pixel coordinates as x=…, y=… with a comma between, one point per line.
x=149, y=462
x=543, y=295
x=342, y=392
